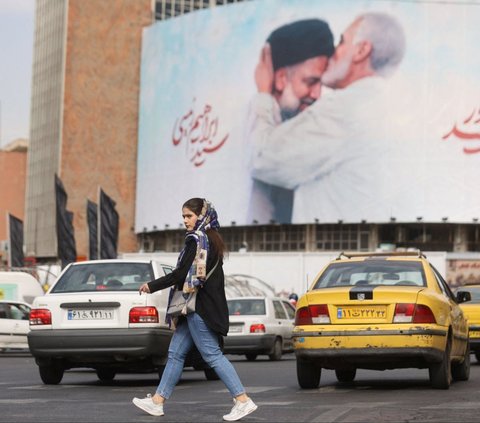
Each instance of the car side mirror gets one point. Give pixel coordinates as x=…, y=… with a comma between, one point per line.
x=463, y=296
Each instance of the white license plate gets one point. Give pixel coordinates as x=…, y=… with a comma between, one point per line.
x=90, y=314
x=235, y=329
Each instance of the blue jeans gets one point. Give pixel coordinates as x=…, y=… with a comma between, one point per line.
x=190, y=332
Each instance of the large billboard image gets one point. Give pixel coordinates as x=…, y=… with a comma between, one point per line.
x=295, y=111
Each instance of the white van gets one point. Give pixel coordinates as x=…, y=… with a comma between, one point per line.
x=19, y=286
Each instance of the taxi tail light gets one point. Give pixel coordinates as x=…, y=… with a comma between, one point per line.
x=143, y=315
x=40, y=316
x=258, y=328
x=312, y=315
x=413, y=313
x=423, y=314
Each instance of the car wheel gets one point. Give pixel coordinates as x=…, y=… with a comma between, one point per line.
x=346, y=375
x=251, y=357
x=461, y=371
x=211, y=374
x=308, y=374
x=106, y=375
x=51, y=374
x=441, y=373
x=277, y=350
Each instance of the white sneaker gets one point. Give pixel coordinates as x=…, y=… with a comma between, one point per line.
x=240, y=409
x=147, y=405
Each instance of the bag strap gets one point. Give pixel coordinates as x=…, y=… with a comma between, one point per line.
x=211, y=271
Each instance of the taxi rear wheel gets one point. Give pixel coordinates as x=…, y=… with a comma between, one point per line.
x=461, y=371
x=441, y=373
x=346, y=375
x=308, y=374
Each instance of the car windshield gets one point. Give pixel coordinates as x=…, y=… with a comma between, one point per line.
x=246, y=307
x=474, y=292
x=372, y=272
x=104, y=276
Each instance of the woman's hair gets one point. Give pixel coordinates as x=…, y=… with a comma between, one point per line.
x=196, y=206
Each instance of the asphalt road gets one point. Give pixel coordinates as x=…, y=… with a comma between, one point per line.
x=389, y=396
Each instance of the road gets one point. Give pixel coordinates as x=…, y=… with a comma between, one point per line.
x=390, y=396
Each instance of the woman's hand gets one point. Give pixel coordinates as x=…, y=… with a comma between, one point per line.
x=144, y=288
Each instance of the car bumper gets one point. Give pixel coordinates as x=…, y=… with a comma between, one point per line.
x=260, y=344
x=379, y=349
x=121, y=343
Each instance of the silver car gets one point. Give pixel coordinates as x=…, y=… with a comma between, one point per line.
x=259, y=325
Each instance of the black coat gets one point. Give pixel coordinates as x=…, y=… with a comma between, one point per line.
x=211, y=303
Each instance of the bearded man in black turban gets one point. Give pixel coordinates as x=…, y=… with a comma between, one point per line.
x=297, y=53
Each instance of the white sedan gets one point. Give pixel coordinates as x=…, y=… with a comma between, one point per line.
x=14, y=324
x=259, y=325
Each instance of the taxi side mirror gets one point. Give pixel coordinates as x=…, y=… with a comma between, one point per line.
x=463, y=296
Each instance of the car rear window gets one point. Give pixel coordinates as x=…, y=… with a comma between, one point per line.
x=372, y=272
x=104, y=277
x=246, y=307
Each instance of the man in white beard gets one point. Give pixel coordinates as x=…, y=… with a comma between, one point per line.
x=331, y=153
x=299, y=53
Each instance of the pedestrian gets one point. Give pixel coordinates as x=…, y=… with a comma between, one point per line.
x=203, y=251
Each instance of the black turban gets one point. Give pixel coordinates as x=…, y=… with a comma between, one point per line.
x=301, y=40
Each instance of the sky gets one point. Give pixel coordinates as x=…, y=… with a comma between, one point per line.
x=16, y=50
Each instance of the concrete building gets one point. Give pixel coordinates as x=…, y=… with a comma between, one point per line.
x=13, y=171
x=84, y=106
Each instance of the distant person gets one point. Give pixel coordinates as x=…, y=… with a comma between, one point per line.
x=331, y=153
x=300, y=51
x=203, y=327
x=293, y=299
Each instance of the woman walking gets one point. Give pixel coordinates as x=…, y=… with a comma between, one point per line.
x=199, y=267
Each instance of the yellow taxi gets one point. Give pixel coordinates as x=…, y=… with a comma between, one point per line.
x=381, y=311
x=472, y=313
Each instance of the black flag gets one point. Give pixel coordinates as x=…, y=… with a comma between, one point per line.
x=108, y=227
x=15, y=241
x=92, y=223
x=67, y=251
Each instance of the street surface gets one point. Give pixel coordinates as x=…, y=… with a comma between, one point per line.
x=390, y=396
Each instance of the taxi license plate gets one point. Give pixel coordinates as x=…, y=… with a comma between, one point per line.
x=90, y=314
x=235, y=329
x=474, y=334
x=371, y=312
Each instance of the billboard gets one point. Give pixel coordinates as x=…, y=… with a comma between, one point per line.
x=372, y=144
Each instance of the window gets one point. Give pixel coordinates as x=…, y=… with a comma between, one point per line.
x=290, y=309
x=372, y=272
x=279, y=311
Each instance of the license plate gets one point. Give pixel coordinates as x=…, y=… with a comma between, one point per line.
x=90, y=314
x=474, y=334
x=371, y=312
x=235, y=329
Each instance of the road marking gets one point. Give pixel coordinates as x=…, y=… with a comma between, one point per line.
x=331, y=415
x=253, y=389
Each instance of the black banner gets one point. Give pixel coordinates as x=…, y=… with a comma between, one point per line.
x=67, y=252
x=92, y=224
x=15, y=241
x=108, y=225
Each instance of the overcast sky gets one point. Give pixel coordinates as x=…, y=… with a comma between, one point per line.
x=16, y=48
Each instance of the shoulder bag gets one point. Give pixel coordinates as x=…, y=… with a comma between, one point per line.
x=184, y=303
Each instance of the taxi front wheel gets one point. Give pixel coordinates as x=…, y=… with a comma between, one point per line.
x=308, y=374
